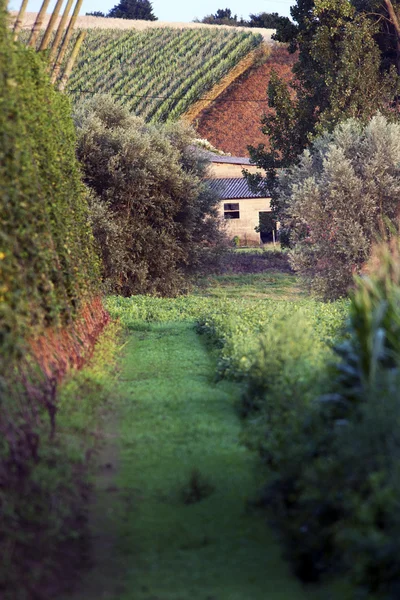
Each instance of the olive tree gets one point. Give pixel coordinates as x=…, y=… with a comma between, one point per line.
x=338, y=199
x=154, y=217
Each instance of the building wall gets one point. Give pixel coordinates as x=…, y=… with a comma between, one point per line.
x=249, y=211
x=221, y=170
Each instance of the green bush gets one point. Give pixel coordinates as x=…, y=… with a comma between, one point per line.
x=154, y=217
x=336, y=200
x=336, y=486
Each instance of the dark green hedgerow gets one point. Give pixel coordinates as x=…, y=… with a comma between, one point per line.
x=48, y=275
x=47, y=262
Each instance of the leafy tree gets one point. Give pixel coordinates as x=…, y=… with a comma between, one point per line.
x=269, y=21
x=154, y=217
x=266, y=20
x=133, y=9
x=338, y=75
x=336, y=200
x=223, y=16
x=96, y=13
x=382, y=13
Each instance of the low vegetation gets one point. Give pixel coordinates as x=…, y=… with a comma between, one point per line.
x=335, y=490
x=319, y=404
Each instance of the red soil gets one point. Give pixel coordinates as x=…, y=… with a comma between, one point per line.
x=57, y=351
x=232, y=122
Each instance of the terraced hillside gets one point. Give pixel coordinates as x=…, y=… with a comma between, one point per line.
x=157, y=73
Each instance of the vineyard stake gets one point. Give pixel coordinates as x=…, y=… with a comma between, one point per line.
x=71, y=61
x=64, y=45
x=38, y=23
x=60, y=30
x=46, y=38
x=19, y=19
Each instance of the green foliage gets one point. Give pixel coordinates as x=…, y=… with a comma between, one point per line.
x=335, y=201
x=263, y=20
x=223, y=16
x=335, y=493
x=48, y=270
x=269, y=21
x=239, y=326
x=47, y=263
x=133, y=9
x=157, y=73
x=154, y=215
x=338, y=75
x=43, y=501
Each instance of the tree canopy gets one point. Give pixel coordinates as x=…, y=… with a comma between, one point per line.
x=340, y=73
x=133, y=9
x=224, y=16
x=154, y=218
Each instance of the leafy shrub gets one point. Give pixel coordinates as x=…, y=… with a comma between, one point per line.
x=336, y=199
x=153, y=215
x=336, y=486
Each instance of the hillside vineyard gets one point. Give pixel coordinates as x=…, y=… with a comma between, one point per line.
x=157, y=73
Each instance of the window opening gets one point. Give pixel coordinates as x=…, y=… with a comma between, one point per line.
x=231, y=210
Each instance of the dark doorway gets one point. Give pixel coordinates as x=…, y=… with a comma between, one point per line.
x=267, y=227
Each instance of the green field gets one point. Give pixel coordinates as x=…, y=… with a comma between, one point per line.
x=157, y=73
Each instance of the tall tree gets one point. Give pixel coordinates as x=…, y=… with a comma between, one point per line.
x=338, y=75
x=133, y=9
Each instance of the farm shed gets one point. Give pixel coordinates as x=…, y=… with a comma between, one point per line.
x=240, y=207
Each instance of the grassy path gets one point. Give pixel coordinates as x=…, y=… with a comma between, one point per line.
x=179, y=498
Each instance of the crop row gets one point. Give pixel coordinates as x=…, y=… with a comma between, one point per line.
x=242, y=328
x=157, y=73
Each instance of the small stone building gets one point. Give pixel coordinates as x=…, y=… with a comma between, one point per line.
x=240, y=207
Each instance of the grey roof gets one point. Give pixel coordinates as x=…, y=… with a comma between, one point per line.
x=230, y=160
x=233, y=187
x=217, y=158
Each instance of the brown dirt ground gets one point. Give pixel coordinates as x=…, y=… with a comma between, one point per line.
x=232, y=121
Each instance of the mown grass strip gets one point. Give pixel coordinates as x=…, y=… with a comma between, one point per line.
x=186, y=529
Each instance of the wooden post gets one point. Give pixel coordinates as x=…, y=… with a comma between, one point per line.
x=64, y=45
x=60, y=31
x=49, y=30
x=273, y=236
x=71, y=60
x=19, y=19
x=38, y=23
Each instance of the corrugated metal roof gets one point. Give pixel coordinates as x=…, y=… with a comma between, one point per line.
x=230, y=160
x=217, y=158
x=233, y=187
